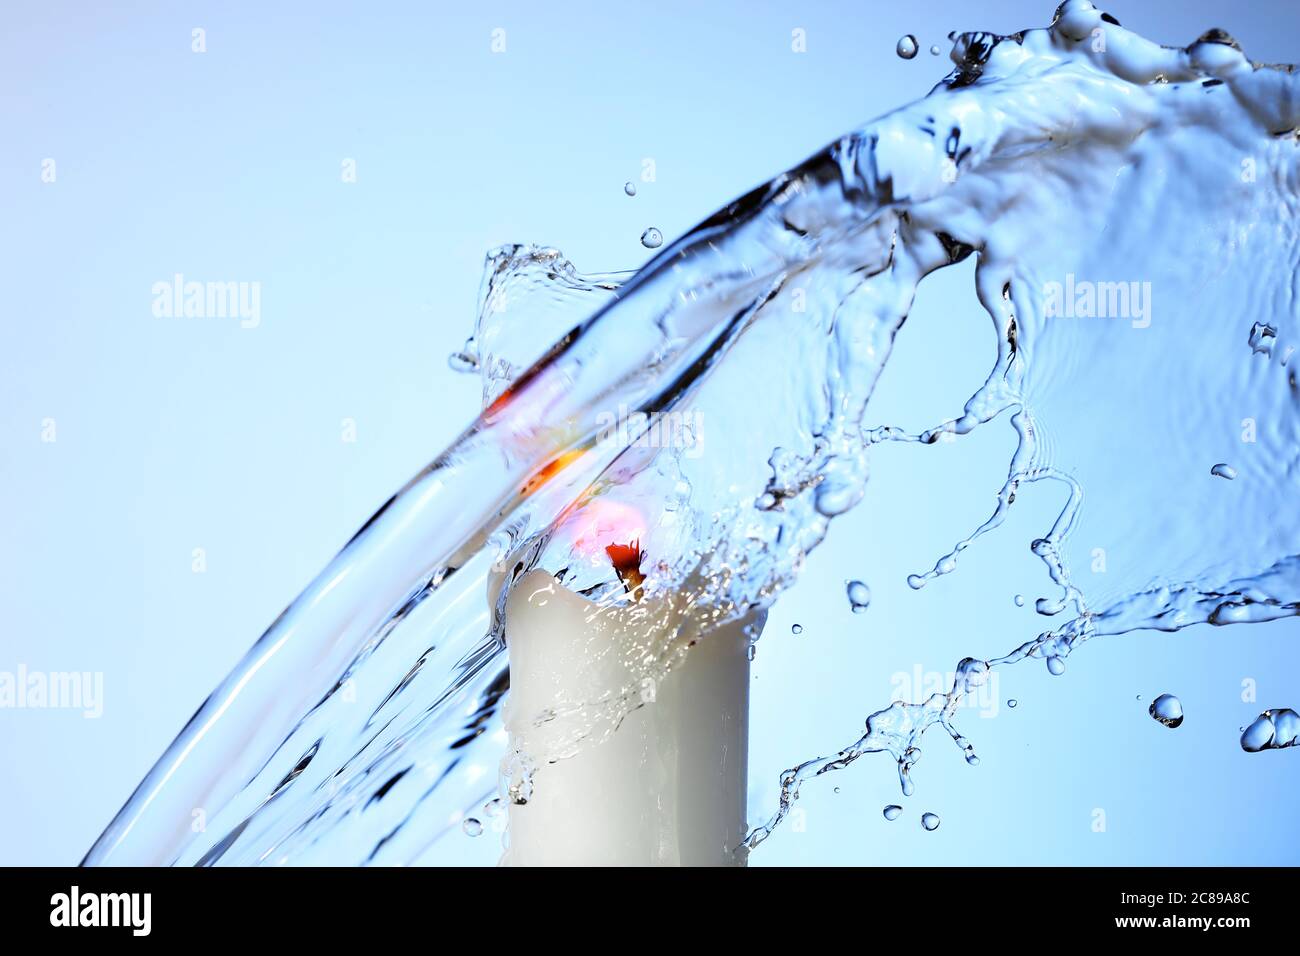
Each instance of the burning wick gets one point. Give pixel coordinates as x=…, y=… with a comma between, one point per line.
x=627, y=559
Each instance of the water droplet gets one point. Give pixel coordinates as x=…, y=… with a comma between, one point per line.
x=1222, y=470
x=652, y=238
x=1167, y=709
x=915, y=582
x=1056, y=666
x=472, y=827
x=1013, y=703
x=907, y=47
x=629, y=188
x=462, y=362
x=1048, y=607
x=859, y=596
x=796, y=629
x=935, y=50
x=837, y=789
x=930, y=821
x=1272, y=730
x=892, y=811
x=1020, y=600
x=752, y=652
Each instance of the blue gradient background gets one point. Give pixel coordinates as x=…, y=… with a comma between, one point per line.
x=177, y=434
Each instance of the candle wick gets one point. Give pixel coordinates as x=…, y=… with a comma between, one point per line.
x=627, y=559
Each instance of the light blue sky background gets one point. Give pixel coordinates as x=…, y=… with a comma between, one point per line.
x=178, y=434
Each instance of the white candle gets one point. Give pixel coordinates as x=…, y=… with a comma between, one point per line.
x=667, y=788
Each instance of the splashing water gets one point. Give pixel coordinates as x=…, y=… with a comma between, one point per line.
x=364, y=725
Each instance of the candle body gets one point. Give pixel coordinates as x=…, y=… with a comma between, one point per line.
x=668, y=787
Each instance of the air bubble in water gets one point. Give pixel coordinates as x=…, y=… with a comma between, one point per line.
x=472, y=827
x=859, y=596
x=652, y=238
x=1167, y=709
x=930, y=821
x=629, y=188
x=1222, y=470
x=892, y=811
x=907, y=47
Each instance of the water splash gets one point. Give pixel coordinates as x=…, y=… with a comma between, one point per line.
x=364, y=722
